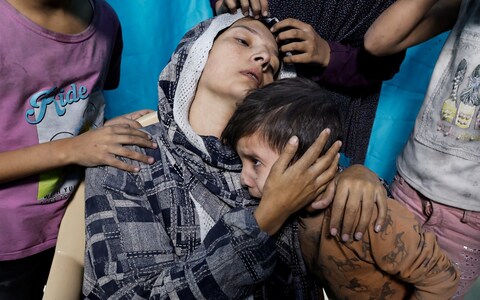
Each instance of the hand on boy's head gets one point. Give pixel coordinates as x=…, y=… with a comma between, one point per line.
x=290, y=187
x=258, y=7
x=357, y=190
x=101, y=146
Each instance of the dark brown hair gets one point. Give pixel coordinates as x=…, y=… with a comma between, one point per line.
x=287, y=107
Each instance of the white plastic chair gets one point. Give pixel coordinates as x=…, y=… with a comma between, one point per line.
x=66, y=273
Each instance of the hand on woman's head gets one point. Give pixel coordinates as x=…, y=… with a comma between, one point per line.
x=243, y=57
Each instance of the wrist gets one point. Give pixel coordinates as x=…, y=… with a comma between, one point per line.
x=65, y=151
x=269, y=220
x=325, y=60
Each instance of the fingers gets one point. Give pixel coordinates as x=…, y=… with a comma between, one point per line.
x=124, y=122
x=365, y=216
x=287, y=23
x=245, y=5
x=309, y=159
x=258, y=7
x=381, y=201
x=286, y=156
x=116, y=163
x=326, y=198
x=130, y=136
x=326, y=165
x=131, y=154
x=338, y=208
x=264, y=7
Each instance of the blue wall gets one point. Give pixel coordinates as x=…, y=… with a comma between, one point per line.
x=151, y=30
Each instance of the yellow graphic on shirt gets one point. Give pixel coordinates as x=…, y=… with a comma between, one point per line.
x=49, y=183
x=449, y=107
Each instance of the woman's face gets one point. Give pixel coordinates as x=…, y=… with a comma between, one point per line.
x=244, y=57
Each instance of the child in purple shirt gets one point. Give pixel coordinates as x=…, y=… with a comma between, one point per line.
x=56, y=58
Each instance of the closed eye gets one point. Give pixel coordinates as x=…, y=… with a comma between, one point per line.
x=242, y=41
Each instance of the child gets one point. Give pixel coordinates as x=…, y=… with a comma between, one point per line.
x=56, y=57
x=439, y=167
x=398, y=263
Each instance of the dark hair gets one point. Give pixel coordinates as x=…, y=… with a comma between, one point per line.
x=287, y=107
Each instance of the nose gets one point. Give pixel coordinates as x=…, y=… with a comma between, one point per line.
x=263, y=57
x=245, y=179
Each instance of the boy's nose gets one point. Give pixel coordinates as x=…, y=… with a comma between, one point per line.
x=245, y=180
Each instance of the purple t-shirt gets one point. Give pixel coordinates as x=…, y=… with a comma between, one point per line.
x=51, y=86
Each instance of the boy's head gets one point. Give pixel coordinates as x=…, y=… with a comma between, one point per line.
x=262, y=125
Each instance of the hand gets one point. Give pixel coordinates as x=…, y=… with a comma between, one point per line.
x=259, y=7
x=129, y=119
x=100, y=146
x=302, y=41
x=289, y=188
x=357, y=190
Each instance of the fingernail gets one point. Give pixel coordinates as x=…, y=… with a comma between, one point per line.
x=345, y=237
x=136, y=169
x=150, y=160
x=358, y=236
x=293, y=140
x=265, y=13
x=378, y=228
x=154, y=145
x=327, y=130
x=333, y=231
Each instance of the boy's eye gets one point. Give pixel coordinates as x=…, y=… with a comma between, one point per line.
x=256, y=162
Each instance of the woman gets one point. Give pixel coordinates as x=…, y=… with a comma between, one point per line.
x=326, y=42
x=184, y=227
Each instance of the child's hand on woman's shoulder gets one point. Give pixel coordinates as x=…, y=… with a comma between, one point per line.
x=101, y=146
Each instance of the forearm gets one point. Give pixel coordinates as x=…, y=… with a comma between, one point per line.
x=33, y=160
x=410, y=22
x=413, y=256
x=436, y=277
x=353, y=67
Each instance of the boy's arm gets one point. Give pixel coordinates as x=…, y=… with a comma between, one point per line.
x=409, y=22
x=405, y=251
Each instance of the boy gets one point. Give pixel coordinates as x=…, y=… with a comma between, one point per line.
x=400, y=262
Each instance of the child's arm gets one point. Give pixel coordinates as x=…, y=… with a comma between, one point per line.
x=92, y=148
x=410, y=22
x=403, y=250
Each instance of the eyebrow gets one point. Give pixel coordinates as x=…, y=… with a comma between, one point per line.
x=247, y=28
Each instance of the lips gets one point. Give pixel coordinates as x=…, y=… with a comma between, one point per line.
x=254, y=75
